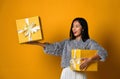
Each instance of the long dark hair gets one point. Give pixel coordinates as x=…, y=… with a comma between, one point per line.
x=84, y=32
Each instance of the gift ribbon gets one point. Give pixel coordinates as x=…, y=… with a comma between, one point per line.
x=74, y=60
x=29, y=29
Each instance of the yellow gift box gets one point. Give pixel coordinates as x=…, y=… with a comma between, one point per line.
x=77, y=54
x=29, y=29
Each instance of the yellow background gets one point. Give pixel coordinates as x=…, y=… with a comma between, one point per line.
x=22, y=61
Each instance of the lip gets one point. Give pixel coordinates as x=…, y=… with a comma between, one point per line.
x=74, y=32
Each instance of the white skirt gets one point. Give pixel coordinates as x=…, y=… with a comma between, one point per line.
x=67, y=73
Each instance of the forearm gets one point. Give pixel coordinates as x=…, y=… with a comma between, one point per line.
x=38, y=43
x=87, y=61
x=95, y=58
x=41, y=44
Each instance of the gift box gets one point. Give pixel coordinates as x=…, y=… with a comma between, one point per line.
x=77, y=54
x=29, y=29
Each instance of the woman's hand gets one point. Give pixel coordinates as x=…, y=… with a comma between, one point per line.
x=85, y=63
x=37, y=43
x=33, y=43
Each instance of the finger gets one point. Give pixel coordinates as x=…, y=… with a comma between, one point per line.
x=33, y=42
x=82, y=59
x=82, y=66
x=85, y=68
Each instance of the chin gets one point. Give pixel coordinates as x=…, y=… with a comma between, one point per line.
x=75, y=35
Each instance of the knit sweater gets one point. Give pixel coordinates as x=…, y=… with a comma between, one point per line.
x=64, y=48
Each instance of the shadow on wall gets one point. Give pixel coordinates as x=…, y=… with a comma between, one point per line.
x=110, y=69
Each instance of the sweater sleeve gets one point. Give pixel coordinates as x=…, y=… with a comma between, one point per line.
x=101, y=51
x=55, y=48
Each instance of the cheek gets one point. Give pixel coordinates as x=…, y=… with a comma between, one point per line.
x=79, y=30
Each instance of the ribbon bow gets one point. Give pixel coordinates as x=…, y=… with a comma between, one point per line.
x=74, y=61
x=29, y=29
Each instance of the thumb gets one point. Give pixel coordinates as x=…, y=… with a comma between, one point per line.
x=82, y=59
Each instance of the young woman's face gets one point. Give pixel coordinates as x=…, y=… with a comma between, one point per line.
x=77, y=28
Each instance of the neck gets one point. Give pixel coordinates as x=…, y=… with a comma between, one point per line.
x=78, y=38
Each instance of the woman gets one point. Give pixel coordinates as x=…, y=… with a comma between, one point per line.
x=79, y=39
